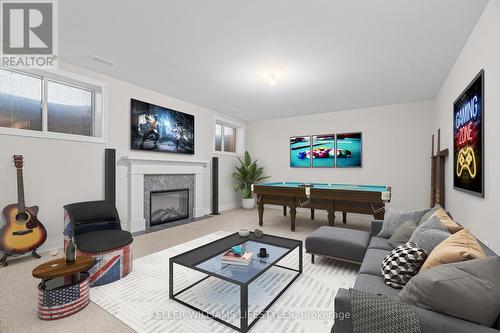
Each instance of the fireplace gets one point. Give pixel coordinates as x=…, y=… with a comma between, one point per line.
x=168, y=206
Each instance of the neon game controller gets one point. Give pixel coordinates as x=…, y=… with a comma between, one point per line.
x=466, y=161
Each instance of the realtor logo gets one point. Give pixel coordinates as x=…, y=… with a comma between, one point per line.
x=29, y=33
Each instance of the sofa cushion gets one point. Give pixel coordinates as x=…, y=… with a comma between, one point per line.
x=373, y=262
x=379, y=243
x=402, y=234
x=429, y=234
x=103, y=240
x=468, y=290
x=395, y=217
x=338, y=242
x=375, y=285
x=401, y=264
x=458, y=247
x=444, y=217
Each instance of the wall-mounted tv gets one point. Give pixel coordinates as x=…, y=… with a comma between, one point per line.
x=349, y=150
x=156, y=128
x=300, y=152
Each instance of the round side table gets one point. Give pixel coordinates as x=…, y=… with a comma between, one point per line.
x=64, y=289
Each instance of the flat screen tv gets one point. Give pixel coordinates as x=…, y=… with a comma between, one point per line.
x=156, y=128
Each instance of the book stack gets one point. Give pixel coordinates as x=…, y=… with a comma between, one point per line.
x=232, y=257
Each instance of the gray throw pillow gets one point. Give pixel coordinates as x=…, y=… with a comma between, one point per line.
x=429, y=234
x=402, y=234
x=429, y=214
x=395, y=217
x=467, y=290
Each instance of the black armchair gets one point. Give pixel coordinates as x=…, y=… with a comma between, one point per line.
x=97, y=232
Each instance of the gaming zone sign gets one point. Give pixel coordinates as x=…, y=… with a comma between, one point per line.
x=468, y=134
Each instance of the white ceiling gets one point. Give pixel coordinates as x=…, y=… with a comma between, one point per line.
x=330, y=55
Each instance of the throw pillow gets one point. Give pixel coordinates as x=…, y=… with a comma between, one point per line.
x=402, y=234
x=403, y=263
x=444, y=217
x=458, y=247
x=429, y=234
x=429, y=214
x=395, y=217
x=468, y=290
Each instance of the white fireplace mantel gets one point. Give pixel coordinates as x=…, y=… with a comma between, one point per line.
x=138, y=167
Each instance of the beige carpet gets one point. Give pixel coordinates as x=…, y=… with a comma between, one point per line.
x=18, y=287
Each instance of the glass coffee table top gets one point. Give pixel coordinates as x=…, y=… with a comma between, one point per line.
x=243, y=273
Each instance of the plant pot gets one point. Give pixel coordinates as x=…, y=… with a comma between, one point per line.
x=248, y=203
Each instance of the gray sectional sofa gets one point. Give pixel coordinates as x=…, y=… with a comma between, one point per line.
x=368, y=250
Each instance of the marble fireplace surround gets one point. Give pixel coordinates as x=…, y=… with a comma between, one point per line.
x=166, y=182
x=138, y=167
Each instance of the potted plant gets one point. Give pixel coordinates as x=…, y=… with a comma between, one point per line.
x=246, y=174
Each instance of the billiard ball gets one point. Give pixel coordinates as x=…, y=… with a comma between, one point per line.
x=301, y=155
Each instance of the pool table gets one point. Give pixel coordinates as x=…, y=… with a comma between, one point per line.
x=362, y=199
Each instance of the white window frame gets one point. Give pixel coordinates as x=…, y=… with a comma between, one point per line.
x=240, y=137
x=99, y=105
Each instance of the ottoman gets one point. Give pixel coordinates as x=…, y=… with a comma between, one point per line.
x=338, y=243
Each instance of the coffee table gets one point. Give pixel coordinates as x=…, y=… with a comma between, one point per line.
x=207, y=259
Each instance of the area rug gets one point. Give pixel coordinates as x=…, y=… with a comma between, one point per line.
x=141, y=301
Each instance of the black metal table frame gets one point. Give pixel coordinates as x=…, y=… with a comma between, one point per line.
x=244, y=326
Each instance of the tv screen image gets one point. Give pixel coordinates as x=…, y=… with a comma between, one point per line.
x=323, y=151
x=349, y=150
x=155, y=128
x=300, y=152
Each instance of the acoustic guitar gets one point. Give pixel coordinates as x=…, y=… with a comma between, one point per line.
x=22, y=232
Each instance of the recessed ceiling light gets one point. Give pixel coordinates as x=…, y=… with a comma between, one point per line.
x=103, y=61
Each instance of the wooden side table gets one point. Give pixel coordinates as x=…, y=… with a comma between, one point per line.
x=64, y=289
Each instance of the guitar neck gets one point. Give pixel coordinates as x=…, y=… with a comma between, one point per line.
x=20, y=190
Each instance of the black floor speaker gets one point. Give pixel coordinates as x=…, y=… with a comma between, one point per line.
x=215, y=186
x=110, y=175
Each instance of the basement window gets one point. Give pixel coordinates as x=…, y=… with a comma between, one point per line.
x=229, y=137
x=50, y=105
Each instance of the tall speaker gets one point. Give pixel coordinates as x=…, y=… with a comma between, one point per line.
x=110, y=175
x=215, y=186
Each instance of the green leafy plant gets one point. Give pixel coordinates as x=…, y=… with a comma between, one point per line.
x=246, y=174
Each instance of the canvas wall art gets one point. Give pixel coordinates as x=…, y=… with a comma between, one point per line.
x=468, y=132
x=300, y=152
x=349, y=150
x=323, y=151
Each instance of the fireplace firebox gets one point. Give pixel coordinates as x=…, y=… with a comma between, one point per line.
x=168, y=206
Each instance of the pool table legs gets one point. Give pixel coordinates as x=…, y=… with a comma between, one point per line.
x=260, y=208
x=331, y=217
x=312, y=214
x=293, y=213
x=284, y=210
x=344, y=217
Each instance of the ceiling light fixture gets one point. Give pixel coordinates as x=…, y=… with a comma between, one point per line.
x=103, y=61
x=273, y=79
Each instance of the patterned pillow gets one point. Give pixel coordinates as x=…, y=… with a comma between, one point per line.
x=403, y=263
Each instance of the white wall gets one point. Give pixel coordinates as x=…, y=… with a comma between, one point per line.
x=396, y=149
x=482, y=51
x=61, y=172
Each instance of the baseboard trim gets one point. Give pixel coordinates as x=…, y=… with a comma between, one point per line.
x=229, y=206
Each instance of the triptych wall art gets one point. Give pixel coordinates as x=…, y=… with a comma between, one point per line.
x=342, y=150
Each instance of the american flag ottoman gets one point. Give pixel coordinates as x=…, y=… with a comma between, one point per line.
x=56, y=303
